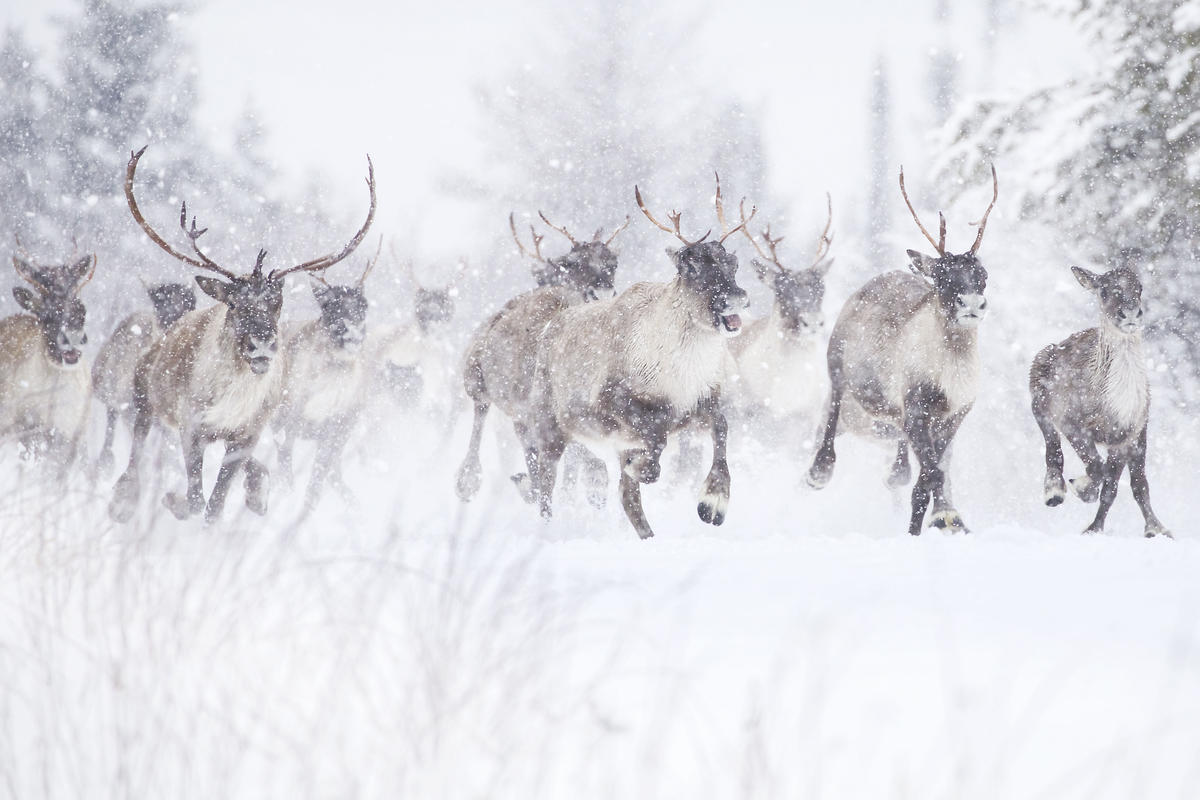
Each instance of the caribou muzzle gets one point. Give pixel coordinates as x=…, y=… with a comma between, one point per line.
x=725, y=310
x=970, y=309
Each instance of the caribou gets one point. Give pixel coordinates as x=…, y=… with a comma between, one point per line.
x=501, y=357
x=112, y=372
x=45, y=389
x=779, y=359
x=1092, y=388
x=213, y=377
x=903, y=364
x=326, y=380
x=632, y=370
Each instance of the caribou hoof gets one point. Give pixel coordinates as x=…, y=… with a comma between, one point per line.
x=1086, y=489
x=468, y=482
x=1158, y=530
x=256, y=485
x=819, y=475
x=124, y=501
x=948, y=521
x=712, y=508
x=178, y=505
x=897, y=479
x=1055, y=492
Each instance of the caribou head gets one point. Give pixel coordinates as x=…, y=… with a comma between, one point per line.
x=798, y=292
x=589, y=267
x=55, y=304
x=959, y=280
x=1120, y=294
x=171, y=301
x=253, y=301
x=707, y=271
x=344, y=309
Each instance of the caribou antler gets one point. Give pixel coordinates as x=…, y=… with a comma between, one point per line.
x=327, y=261
x=983, y=222
x=537, y=240
x=371, y=264
x=941, y=243
x=826, y=241
x=773, y=258
x=206, y=263
x=674, y=216
x=725, y=231
x=563, y=231
x=623, y=226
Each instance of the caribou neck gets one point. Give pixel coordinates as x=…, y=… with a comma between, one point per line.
x=958, y=339
x=1119, y=373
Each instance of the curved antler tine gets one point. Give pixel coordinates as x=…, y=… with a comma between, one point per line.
x=741, y=226
x=537, y=240
x=674, y=216
x=371, y=264
x=624, y=225
x=721, y=207
x=941, y=232
x=258, y=262
x=983, y=222
x=746, y=232
x=327, y=261
x=563, y=231
x=130, y=169
x=826, y=240
x=941, y=249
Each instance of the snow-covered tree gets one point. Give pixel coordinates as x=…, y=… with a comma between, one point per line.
x=881, y=193
x=1111, y=161
x=943, y=65
x=23, y=132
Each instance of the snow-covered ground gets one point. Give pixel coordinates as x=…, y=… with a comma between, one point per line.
x=404, y=645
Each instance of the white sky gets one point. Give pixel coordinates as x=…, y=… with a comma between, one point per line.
x=336, y=80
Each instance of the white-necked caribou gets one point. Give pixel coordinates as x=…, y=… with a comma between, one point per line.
x=1092, y=388
x=903, y=365
x=214, y=377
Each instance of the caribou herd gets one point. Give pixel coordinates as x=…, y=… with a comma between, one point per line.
x=581, y=370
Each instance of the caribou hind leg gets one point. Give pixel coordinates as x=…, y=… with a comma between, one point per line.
x=104, y=461
x=128, y=487
x=631, y=499
x=901, y=472
x=930, y=435
x=1087, y=487
x=468, y=480
x=1054, y=486
x=1113, y=468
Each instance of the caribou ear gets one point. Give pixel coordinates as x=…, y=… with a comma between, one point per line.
x=319, y=292
x=81, y=272
x=216, y=289
x=922, y=263
x=27, y=300
x=1088, y=280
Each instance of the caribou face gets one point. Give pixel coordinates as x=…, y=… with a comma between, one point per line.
x=959, y=282
x=61, y=320
x=1120, y=295
x=434, y=307
x=710, y=271
x=798, y=298
x=590, y=268
x=253, y=303
x=171, y=301
x=343, y=314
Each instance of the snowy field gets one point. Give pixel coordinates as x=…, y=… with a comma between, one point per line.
x=404, y=645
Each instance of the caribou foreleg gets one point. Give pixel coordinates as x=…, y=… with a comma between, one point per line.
x=1141, y=488
x=128, y=488
x=236, y=452
x=714, y=497
x=193, y=464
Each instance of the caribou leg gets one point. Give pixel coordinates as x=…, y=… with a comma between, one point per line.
x=1141, y=488
x=901, y=472
x=104, y=461
x=193, y=464
x=631, y=499
x=1113, y=468
x=468, y=474
x=822, y=466
x=714, y=497
x=236, y=453
x=330, y=444
x=128, y=488
x=1086, y=488
x=944, y=515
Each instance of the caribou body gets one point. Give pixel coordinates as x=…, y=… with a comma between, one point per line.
x=630, y=371
x=1092, y=388
x=499, y=365
x=45, y=388
x=214, y=377
x=115, y=364
x=903, y=365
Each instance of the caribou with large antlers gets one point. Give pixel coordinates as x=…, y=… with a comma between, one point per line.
x=635, y=369
x=1092, y=388
x=903, y=364
x=44, y=388
x=779, y=358
x=500, y=360
x=214, y=376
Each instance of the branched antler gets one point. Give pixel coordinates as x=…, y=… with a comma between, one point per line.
x=726, y=232
x=826, y=241
x=537, y=240
x=674, y=216
x=623, y=226
x=563, y=231
x=371, y=264
x=327, y=261
x=983, y=222
x=941, y=243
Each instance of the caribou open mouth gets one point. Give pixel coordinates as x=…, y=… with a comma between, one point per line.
x=70, y=356
x=260, y=365
x=731, y=322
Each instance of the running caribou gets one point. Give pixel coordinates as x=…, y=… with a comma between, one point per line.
x=1092, y=388
x=903, y=364
x=112, y=372
x=214, y=377
x=780, y=364
x=632, y=370
x=501, y=357
x=44, y=387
